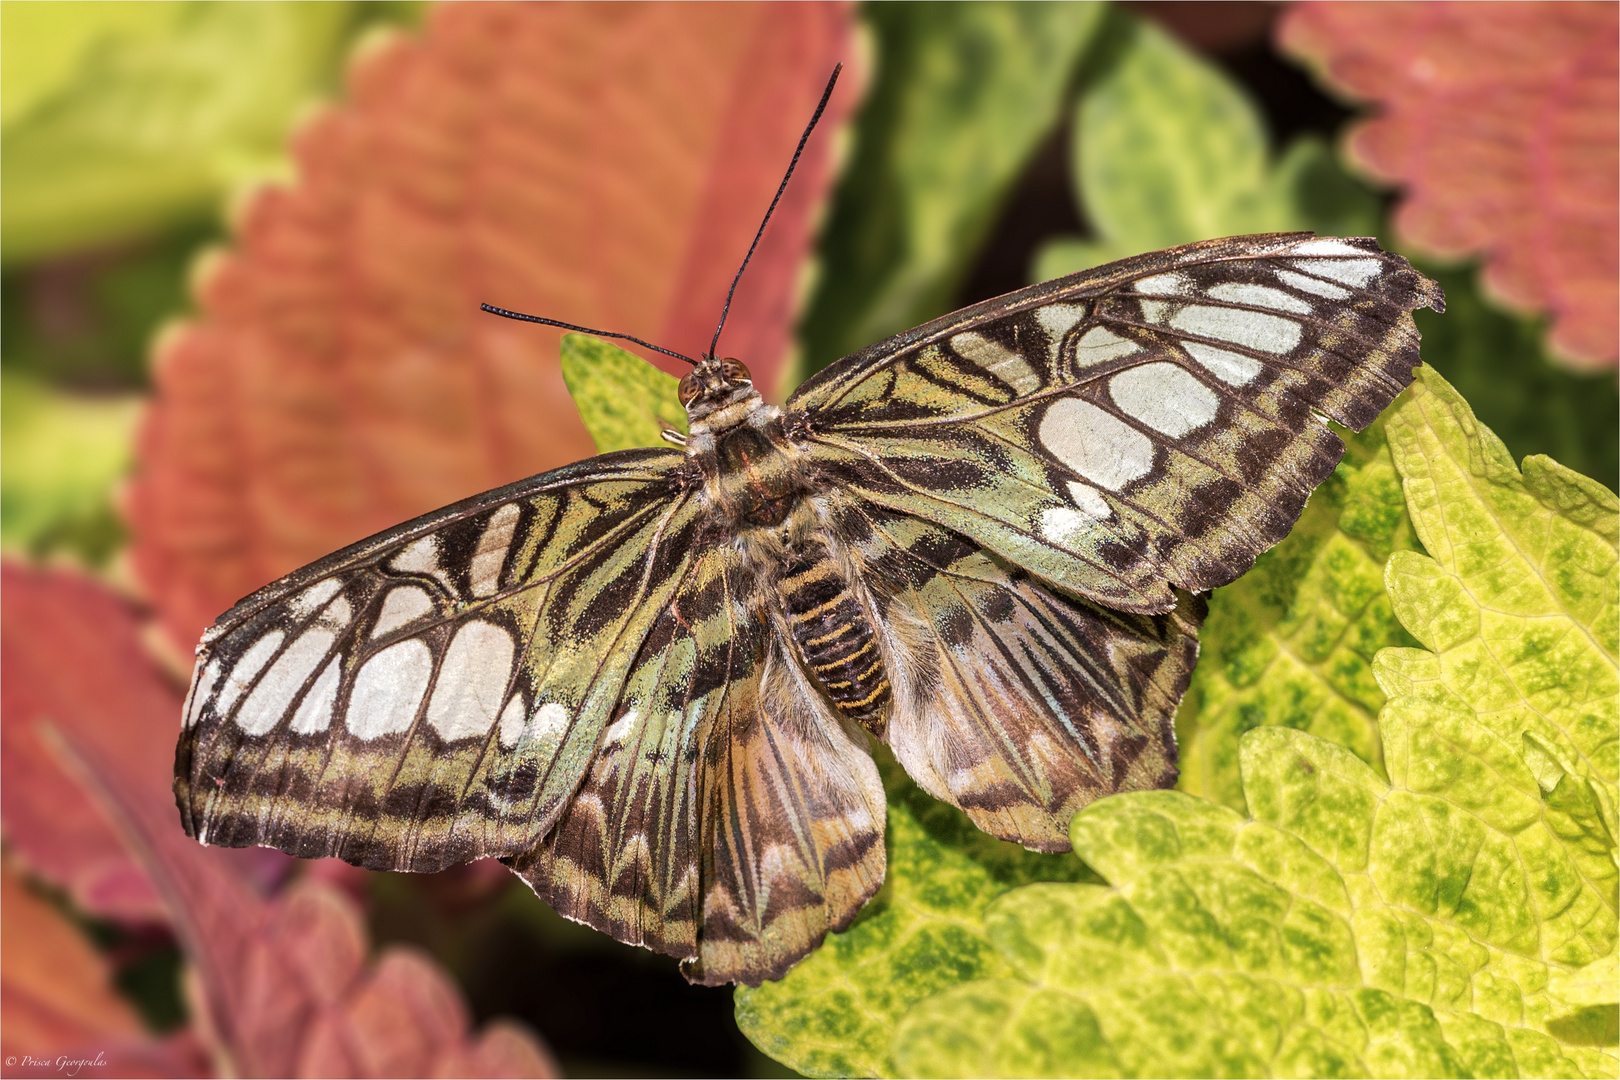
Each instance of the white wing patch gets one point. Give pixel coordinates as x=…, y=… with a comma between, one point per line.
x=1267, y=333
x=315, y=711
x=403, y=604
x=490, y=556
x=315, y=597
x=550, y=724
x=389, y=690
x=421, y=557
x=201, y=686
x=1231, y=368
x=1057, y=320
x=472, y=681
x=512, y=720
x=1357, y=272
x=1096, y=445
x=1243, y=292
x=240, y=676
x=1090, y=500
x=1171, y=284
x=1100, y=345
x=1001, y=362
x=620, y=729
x=1314, y=285
x=1165, y=397
x=268, y=701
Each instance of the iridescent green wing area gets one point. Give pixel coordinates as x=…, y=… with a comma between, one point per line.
x=436, y=693
x=1151, y=424
x=1015, y=700
x=729, y=817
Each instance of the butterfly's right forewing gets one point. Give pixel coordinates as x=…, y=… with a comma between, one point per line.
x=434, y=694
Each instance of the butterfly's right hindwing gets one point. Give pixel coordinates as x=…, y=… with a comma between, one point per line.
x=434, y=694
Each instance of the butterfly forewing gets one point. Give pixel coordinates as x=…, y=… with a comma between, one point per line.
x=1154, y=423
x=434, y=694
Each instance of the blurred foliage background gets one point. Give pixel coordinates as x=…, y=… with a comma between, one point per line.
x=998, y=144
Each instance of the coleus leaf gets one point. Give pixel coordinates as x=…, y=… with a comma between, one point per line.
x=72, y=655
x=623, y=401
x=341, y=378
x=1293, y=641
x=1501, y=125
x=1167, y=149
x=1454, y=919
x=964, y=95
x=167, y=107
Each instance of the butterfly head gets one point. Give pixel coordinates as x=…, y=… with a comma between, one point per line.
x=713, y=385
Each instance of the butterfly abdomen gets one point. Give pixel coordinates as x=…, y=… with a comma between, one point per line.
x=834, y=638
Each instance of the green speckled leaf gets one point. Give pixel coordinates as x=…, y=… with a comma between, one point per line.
x=1455, y=919
x=624, y=401
x=964, y=95
x=1292, y=641
x=155, y=117
x=834, y=1014
x=1168, y=150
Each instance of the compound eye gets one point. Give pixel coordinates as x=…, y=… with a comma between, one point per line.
x=734, y=371
x=691, y=386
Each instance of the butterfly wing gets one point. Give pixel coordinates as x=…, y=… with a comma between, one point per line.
x=1151, y=424
x=1014, y=700
x=434, y=694
x=729, y=817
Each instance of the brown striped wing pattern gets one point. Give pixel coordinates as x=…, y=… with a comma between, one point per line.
x=1150, y=425
x=992, y=563
x=434, y=694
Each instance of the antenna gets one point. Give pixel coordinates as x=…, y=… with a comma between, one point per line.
x=518, y=315
x=820, y=108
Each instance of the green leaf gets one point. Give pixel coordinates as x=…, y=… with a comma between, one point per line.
x=964, y=95
x=1292, y=642
x=624, y=401
x=1498, y=363
x=1168, y=150
x=1452, y=919
x=834, y=1014
x=155, y=115
x=1456, y=919
x=60, y=457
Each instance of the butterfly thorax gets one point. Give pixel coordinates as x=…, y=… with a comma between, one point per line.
x=757, y=482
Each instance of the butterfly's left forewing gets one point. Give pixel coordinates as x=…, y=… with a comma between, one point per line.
x=434, y=694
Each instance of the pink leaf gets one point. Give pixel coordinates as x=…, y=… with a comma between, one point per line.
x=284, y=985
x=1502, y=123
x=601, y=164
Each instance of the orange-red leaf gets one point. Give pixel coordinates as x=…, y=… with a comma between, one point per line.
x=1501, y=122
x=55, y=990
x=600, y=164
x=71, y=655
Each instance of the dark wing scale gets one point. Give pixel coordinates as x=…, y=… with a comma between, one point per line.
x=1014, y=701
x=728, y=818
x=434, y=694
x=1151, y=424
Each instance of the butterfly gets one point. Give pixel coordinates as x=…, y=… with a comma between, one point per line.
x=648, y=681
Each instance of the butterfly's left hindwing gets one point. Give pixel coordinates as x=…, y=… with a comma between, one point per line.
x=1152, y=424
x=730, y=817
x=434, y=694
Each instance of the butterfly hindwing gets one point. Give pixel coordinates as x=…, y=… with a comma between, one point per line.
x=1148, y=425
x=435, y=693
x=1014, y=701
x=729, y=817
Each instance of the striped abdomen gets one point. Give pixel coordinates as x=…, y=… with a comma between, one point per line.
x=835, y=639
